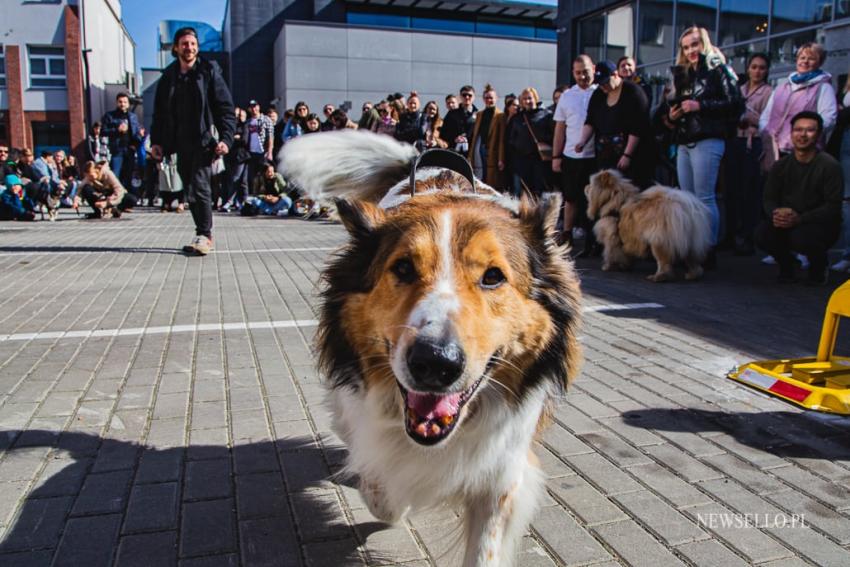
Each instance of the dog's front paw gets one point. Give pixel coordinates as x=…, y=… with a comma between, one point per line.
x=376, y=500
x=661, y=277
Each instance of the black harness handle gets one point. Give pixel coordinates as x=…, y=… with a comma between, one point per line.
x=446, y=159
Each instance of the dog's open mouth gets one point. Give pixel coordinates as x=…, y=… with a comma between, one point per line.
x=430, y=418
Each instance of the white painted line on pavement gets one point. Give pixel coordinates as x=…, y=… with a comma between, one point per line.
x=165, y=251
x=160, y=330
x=237, y=326
x=621, y=307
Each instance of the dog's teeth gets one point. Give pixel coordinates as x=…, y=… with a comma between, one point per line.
x=435, y=429
x=447, y=420
x=421, y=430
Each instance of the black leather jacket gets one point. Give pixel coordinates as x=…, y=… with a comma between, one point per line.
x=720, y=102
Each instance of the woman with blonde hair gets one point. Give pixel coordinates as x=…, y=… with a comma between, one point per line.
x=530, y=127
x=103, y=191
x=808, y=88
x=704, y=114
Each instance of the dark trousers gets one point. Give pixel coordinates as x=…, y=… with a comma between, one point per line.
x=575, y=176
x=255, y=167
x=91, y=197
x=195, y=171
x=743, y=190
x=811, y=239
x=532, y=171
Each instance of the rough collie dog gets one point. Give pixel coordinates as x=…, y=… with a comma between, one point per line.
x=447, y=322
x=670, y=224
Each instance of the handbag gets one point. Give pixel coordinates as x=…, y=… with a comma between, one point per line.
x=544, y=150
x=169, y=178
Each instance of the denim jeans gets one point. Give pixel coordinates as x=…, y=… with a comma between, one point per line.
x=698, y=166
x=272, y=209
x=845, y=209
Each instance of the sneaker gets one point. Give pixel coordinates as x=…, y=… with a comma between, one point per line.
x=841, y=266
x=283, y=213
x=180, y=208
x=804, y=262
x=769, y=260
x=116, y=213
x=225, y=208
x=200, y=246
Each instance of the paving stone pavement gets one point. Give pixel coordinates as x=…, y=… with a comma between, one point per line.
x=163, y=410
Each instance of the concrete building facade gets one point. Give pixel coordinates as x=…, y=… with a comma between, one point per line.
x=61, y=65
x=338, y=51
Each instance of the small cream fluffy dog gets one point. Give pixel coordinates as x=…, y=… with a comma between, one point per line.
x=671, y=224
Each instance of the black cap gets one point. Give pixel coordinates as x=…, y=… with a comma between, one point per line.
x=604, y=70
x=253, y=102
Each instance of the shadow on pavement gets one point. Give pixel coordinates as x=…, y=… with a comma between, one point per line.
x=260, y=500
x=86, y=249
x=780, y=433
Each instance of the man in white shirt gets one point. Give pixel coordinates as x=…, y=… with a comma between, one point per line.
x=575, y=168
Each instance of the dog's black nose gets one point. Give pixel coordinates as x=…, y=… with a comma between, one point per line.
x=434, y=365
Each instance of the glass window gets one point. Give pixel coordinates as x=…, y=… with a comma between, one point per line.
x=47, y=66
x=436, y=24
x=378, y=20
x=657, y=76
x=702, y=13
x=494, y=28
x=739, y=55
x=742, y=20
x=789, y=15
x=655, y=31
x=2, y=68
x=842, y=8
x=783, y=50
x=619, y=33
x=591, y=32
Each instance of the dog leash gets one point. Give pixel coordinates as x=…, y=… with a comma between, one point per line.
x=446, y=159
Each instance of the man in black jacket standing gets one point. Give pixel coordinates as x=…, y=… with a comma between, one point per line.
x=194, y=118
x=460, y=122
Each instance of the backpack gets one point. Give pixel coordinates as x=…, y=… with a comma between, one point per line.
x=249, y=209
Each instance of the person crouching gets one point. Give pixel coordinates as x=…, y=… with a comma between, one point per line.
x=270, y=189
x=103, y=192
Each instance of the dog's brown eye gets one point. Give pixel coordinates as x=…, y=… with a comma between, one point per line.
x=492, y=278
x=404, y=271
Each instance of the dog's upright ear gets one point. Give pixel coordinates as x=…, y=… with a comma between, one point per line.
x=360, y=218
x=540, y=217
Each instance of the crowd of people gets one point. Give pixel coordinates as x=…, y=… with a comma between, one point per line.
x=732, y=140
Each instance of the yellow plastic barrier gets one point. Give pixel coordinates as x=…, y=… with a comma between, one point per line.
x=821, y=383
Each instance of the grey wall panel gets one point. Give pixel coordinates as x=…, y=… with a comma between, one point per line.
x=378, y=44
x=377, y=75
x=499, y=52
x=304, y=40
x=440, y=77
x=327, y=73
x=542, y=56
x=437, y=48
x=503, y=79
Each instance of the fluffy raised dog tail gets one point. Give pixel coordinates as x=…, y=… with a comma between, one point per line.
x=335, y=164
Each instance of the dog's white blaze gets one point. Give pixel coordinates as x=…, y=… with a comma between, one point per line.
x=442, y=301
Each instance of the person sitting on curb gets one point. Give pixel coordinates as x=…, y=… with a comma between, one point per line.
x=13, y=203
x=802, y=200
x=103, y=192
x=270, y=189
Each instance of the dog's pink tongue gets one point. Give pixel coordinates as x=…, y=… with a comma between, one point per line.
x=433, y=406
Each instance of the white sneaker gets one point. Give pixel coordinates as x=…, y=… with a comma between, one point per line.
x=841, y=266
x=804, y=262
x=769, y=260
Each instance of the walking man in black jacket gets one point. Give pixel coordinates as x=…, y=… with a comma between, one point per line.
x=194, y=118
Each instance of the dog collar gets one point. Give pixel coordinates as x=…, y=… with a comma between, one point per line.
x=444, y=159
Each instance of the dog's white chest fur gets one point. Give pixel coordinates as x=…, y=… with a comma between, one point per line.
x=486, y=462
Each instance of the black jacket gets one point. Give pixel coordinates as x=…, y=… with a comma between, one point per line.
x=721, y=104
x=457, y=122
x=841, y=125
x=409, y=127
x=216, y=107
x=519, y=139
